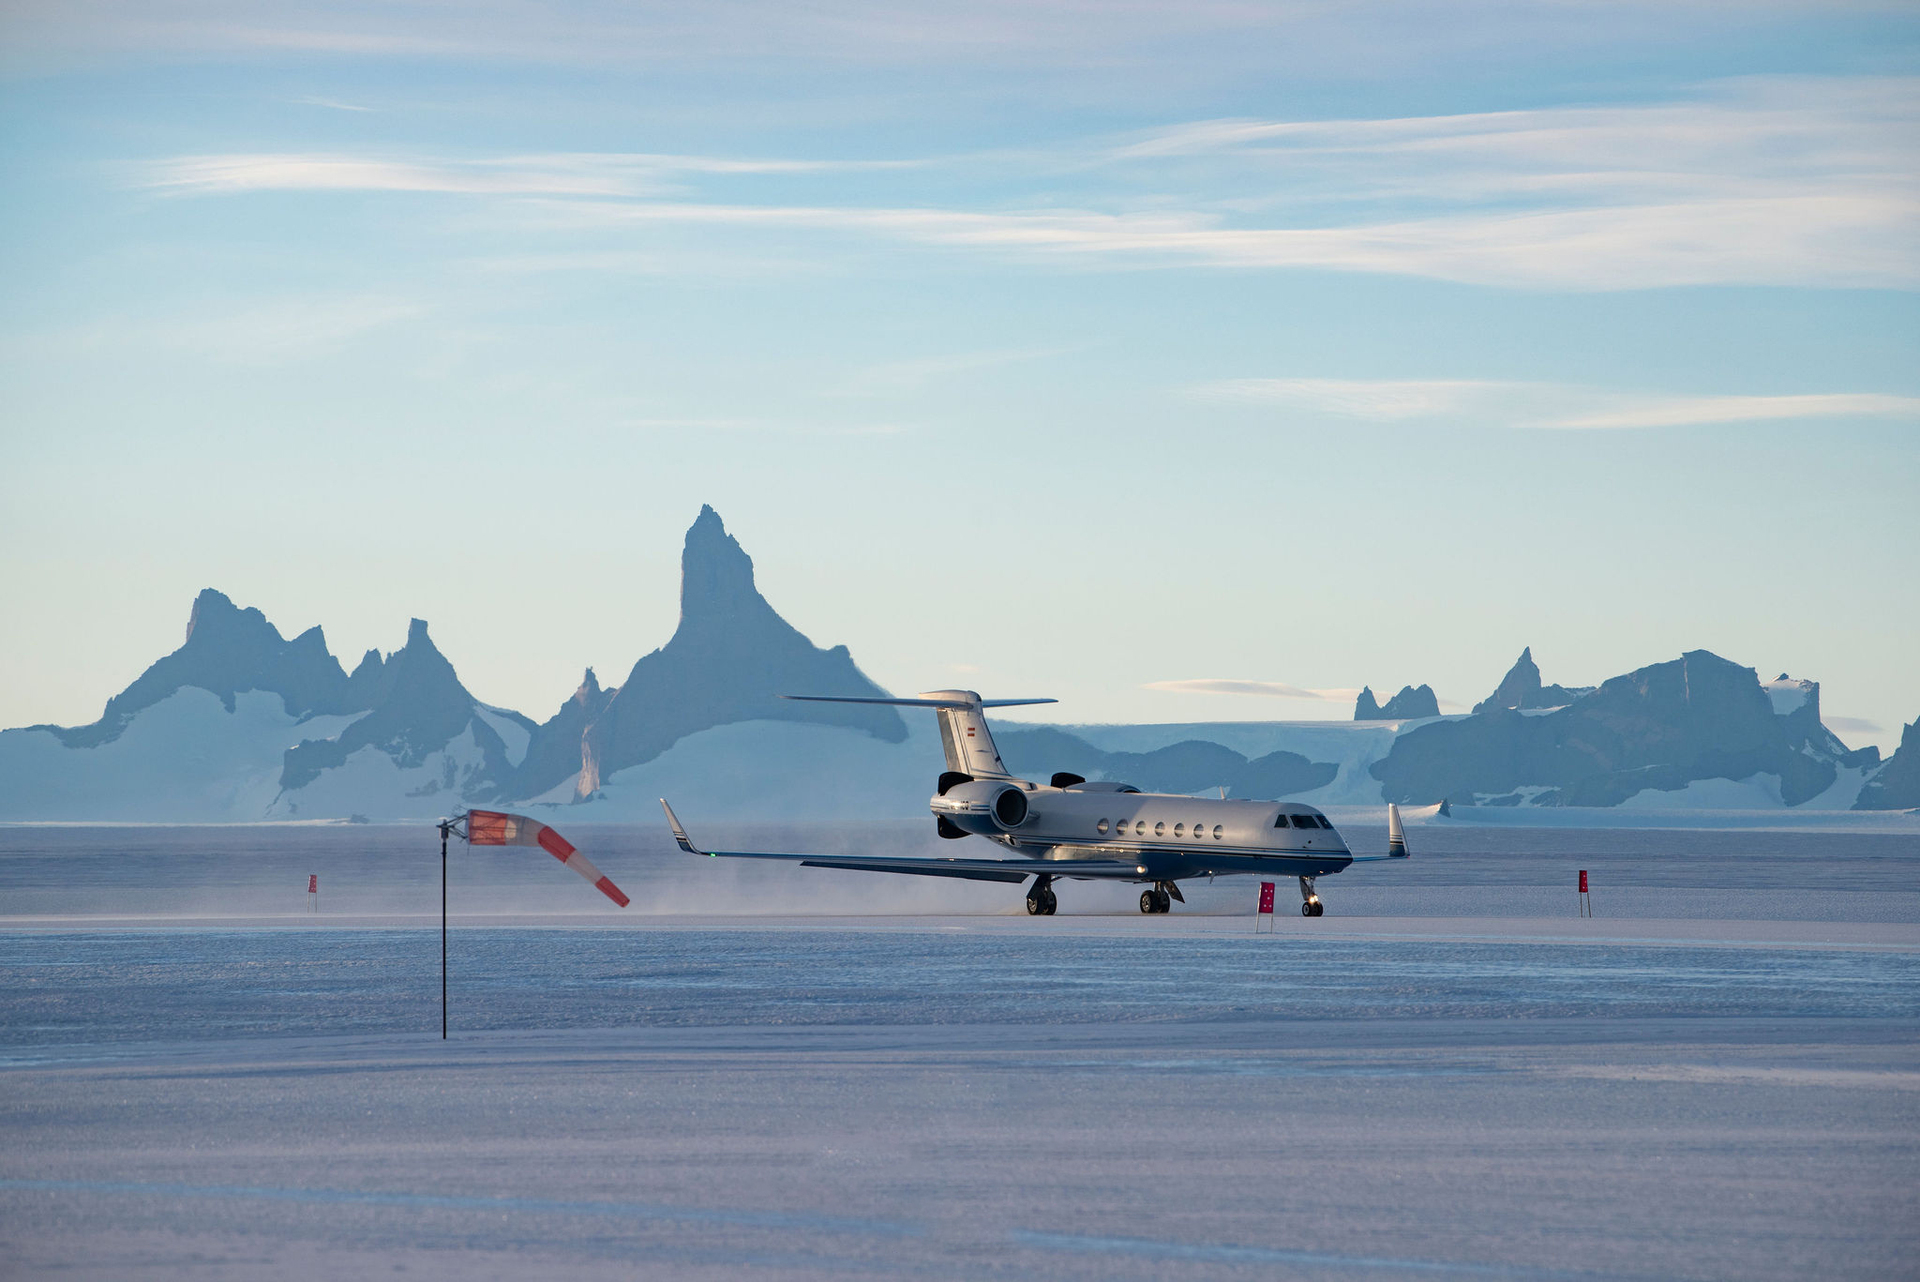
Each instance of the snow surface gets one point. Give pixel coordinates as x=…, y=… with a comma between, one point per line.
x=184, y=758
x=1788, y=695
x=371, y=783
x=1717, y=1076
x=1754, y=792
x=514, y=736
x=1143, y=1098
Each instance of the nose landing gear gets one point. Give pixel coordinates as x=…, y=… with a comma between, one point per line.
x=1310, y=905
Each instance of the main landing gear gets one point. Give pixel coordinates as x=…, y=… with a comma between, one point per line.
x=1040, y=900
x=1310, y=905
x=1160, y=898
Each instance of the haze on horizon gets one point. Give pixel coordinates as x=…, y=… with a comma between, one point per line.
x=1179, y=362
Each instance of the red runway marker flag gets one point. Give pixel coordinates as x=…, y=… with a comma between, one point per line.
x=494, y=828
x=1266, y=896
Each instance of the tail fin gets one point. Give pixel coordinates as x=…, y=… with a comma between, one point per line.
x=1396, y=835
x=963, y=726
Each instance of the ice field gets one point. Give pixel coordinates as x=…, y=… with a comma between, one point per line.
x=800, y=1073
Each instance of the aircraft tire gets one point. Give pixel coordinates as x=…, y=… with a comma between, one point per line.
x=1036, y=906
x=1149, y=902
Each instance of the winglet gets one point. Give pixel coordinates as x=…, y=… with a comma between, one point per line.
x=1396, y=835
x=679, y=833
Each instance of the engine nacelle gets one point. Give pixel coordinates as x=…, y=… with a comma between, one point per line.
x=984, y=807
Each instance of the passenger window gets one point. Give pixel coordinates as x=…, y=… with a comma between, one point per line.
x=1101, y=827
x=1139, y=827
x=1179, y=830
x=1216, y=832
x=1159, y=830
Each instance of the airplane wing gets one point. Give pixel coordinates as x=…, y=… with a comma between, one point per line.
x=1011, y=870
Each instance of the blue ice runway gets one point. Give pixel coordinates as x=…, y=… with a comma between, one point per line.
x=959, y=1098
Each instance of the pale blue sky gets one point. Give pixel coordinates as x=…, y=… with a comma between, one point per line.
x=1058, y=349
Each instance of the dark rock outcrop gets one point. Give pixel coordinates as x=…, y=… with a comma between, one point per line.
x=730, y=659
x=1896, y=785
x=1808, y=734
x=229, y=651
x=1662, y=726
x=421, y=708
x=559, y=749
x=1521, y=688
x=1189, y=766
x=1409, y=705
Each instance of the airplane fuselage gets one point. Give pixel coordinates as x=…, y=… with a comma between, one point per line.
x=1171, y=836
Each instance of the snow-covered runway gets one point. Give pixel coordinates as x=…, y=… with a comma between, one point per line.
x=962, y=1097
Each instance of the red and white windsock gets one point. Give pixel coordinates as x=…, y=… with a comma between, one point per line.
x=495, y=828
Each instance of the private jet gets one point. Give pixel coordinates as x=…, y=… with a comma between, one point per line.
x=1094, y=831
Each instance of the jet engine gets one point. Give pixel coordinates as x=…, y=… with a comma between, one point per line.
x=984, y=807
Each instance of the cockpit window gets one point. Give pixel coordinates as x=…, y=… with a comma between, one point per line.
x=1304, y=821
x=1324, y=821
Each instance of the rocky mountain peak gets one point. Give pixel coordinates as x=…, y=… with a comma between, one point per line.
x=1366, y=707
x=1897, y=785
x=418, y=707
x=730, y=660
x=215, y=621
x=227, y=651
x=717, y=592
x=1412, y=703
x=1521, y=688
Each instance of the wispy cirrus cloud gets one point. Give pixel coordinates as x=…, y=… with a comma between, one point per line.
x=1783, y=240
x=1788, y=182
x=1552, y=406
x=1264, y=689
x=554, y=174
